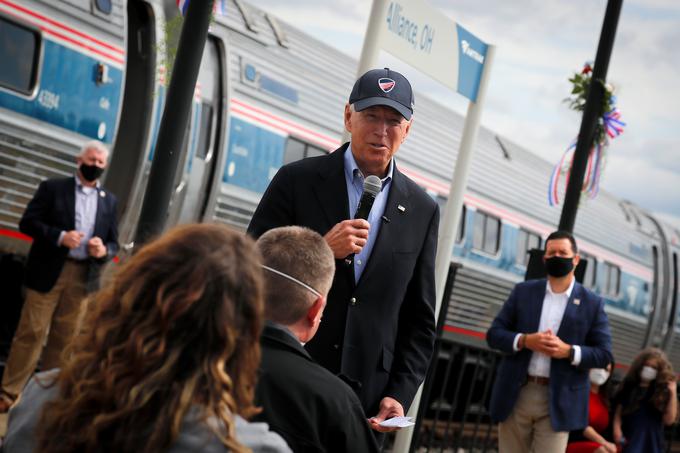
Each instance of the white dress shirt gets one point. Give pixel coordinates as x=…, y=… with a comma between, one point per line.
x=552, y=313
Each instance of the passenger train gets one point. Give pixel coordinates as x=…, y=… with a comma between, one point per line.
x=76, y=70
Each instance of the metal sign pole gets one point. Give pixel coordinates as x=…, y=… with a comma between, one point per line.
x=450, y=219
x=371, y=48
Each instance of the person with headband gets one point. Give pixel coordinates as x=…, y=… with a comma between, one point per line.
x=314, y=410
x=646, y=401
x=592, y=439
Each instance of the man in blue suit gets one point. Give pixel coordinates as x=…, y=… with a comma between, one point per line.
x=552, y=331
x=73, y=225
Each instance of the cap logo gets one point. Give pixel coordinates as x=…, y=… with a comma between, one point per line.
x=386, y=85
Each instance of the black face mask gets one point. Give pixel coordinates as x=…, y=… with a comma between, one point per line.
x=558, y=266
x=91, y=172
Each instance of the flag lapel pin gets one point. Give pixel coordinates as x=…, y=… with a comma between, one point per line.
x=401, y=208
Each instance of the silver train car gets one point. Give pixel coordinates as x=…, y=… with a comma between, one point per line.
x=268, y=94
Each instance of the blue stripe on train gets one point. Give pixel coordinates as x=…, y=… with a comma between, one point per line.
x=69, y=96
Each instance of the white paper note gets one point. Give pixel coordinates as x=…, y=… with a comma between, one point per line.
x=398, y=422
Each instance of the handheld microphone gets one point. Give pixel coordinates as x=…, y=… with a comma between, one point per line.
x=372, y=186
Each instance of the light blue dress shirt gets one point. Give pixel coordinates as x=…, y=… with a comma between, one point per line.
x=355, y=187
x=86, y=214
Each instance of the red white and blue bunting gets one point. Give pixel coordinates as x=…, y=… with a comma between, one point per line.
x=608, y=128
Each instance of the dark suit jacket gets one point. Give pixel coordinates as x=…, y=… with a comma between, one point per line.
x=379, y=332
x=313, y=410
x=51, y=211
x=584, y=324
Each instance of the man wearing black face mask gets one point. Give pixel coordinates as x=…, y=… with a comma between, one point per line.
x=73, y=225
x=553, y=332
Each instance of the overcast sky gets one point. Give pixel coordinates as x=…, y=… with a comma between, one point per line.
x=539, y=45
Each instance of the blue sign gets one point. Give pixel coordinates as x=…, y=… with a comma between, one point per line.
x=471, y=56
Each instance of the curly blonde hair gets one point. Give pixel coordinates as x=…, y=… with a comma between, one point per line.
x=178, y=327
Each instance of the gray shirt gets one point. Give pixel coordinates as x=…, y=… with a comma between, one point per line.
x=194, y=436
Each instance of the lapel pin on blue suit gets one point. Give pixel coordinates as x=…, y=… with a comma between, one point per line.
x=577, y=301
x=102, y=193
x=401, y=209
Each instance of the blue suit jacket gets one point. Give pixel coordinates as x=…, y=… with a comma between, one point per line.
x=584, y=324
x=51, y=211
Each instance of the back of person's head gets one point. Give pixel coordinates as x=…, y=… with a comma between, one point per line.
x=176, y=328
x=299, y=253
x=663, y=370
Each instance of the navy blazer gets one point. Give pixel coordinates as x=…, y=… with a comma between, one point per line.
x=584, y=324
x=51, y=211
x=378, y=333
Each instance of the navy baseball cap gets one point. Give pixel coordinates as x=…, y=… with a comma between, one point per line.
x=383, y=87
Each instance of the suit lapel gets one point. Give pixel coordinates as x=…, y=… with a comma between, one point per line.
x=390, y=231
x=99, y=213
x=537, y=299
x=70, y=197
x=331, y=187
x=571, y=311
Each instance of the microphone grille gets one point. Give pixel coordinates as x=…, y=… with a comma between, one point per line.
x=372, y=185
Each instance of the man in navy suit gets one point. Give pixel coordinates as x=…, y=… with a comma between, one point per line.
x=73, y=225
x=553, y=332
x=379, y=327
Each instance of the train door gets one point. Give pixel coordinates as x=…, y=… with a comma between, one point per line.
x=657, y=328
x=673, y=312
x=133, y=131
x=201, y=160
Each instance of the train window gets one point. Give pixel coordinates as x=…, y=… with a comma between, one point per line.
x=612, y=279
x=314, y=151
x=204, y=130
x=103, y=5
x=526, y=241
x=19, y=52
x=590, y=277
x=296, y=150
x=486, y=233
x=461, y=226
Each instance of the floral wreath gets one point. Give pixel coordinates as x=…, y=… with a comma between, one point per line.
x=608, y=127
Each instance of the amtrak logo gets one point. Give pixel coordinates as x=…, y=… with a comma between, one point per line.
x=386, y=85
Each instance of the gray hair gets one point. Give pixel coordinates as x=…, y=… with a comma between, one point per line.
x=302, y=254
x=95, y=145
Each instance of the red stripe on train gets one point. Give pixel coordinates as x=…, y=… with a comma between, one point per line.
x=15, y=234
x=470, y=333
x=62, y=26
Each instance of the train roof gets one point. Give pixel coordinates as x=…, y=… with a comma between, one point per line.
x=504, y=173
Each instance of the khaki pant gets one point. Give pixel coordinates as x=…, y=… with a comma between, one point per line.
x=55, y=315
x=527, y=429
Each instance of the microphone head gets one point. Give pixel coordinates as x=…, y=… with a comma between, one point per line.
x=372, y=185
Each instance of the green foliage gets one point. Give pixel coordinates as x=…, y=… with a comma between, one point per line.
x=581, y=83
